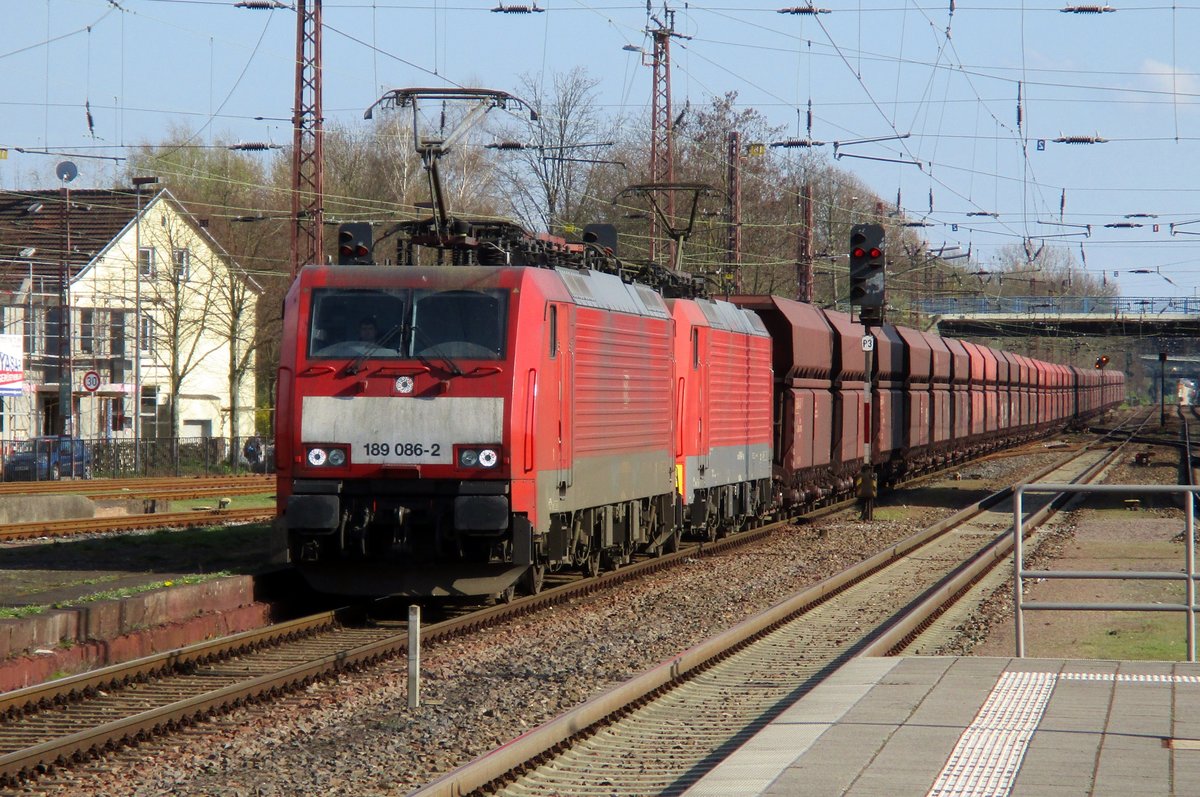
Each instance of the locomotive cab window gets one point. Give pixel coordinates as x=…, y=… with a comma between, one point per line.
x=462, y=324
x=405, y=323
x=353, y=323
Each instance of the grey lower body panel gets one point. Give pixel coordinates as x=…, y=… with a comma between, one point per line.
x=602, y=481
x=729, y=465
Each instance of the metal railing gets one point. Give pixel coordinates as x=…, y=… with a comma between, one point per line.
x=1188, y=576
x=108, y=458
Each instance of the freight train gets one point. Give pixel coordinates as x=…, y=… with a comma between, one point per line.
x=539, y=405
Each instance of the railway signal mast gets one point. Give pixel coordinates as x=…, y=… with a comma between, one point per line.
x=662, y=146
x=308, y=160
x=867, y=292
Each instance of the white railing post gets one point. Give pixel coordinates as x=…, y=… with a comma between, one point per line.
x=414, y=656
x=1018, y=557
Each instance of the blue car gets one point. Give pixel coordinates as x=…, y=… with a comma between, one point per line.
x=48, y=459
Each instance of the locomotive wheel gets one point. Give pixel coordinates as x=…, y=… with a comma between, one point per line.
x=506, y=595
x=672, y=543
x=591, y=566
x=534, y=579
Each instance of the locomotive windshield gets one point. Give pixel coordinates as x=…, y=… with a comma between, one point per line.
x=405, y=323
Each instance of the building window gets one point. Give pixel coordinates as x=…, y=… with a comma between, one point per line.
x=146, y=334
x=116, y=414
x=146, y=262
x=33, y=331
x=183, y=264
x=87, y=334
x=116, y=334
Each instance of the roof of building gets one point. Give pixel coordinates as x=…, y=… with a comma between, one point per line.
x=35, y=227
x=40, y=231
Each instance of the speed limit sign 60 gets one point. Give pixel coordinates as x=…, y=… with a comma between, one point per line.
x=91, y=381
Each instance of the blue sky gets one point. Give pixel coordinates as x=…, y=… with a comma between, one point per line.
x=870, y=68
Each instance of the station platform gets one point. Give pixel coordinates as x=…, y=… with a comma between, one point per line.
x=969, y=727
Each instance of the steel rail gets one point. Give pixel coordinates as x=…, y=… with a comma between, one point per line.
x=88, y=486
x=64, y=528
x=536, y=746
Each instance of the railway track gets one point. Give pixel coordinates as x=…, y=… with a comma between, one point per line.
x=157, y=520
x=165, y=487
x=77, y=717
x=659, y=733
x=158, y=489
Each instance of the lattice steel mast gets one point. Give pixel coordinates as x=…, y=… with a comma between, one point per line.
x=308, y=161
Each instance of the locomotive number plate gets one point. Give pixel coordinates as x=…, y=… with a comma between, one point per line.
x=402, y=449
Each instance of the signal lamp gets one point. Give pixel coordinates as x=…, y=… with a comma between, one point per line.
x=354, y=244
x=867, y=265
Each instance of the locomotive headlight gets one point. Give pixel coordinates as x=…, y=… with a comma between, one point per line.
x=320, y=456
x=468, y=458
x=488, y=458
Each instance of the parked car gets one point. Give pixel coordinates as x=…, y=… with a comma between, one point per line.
x=48, y=459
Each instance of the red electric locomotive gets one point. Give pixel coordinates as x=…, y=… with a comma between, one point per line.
x=504, y=420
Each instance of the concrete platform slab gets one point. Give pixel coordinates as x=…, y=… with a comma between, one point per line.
x=968, y=727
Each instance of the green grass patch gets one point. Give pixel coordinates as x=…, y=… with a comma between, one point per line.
x=17, y=612
x=207, y=549
x=127, y=592
x=1162, y=637
x=893, y=513
x=256, y=501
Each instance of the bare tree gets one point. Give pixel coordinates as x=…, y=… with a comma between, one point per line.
x=225, y=188
x=545, y=182
x=179, y=306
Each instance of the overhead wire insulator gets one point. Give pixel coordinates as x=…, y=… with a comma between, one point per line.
x=513, y=9
x=252, y=146
x=1080, y=140
x=803, y=10
x=1087, y=10
x=797, y=142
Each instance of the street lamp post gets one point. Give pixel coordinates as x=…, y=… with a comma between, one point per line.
x=1162, y=388
x=138, y=182
x=66, y=172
